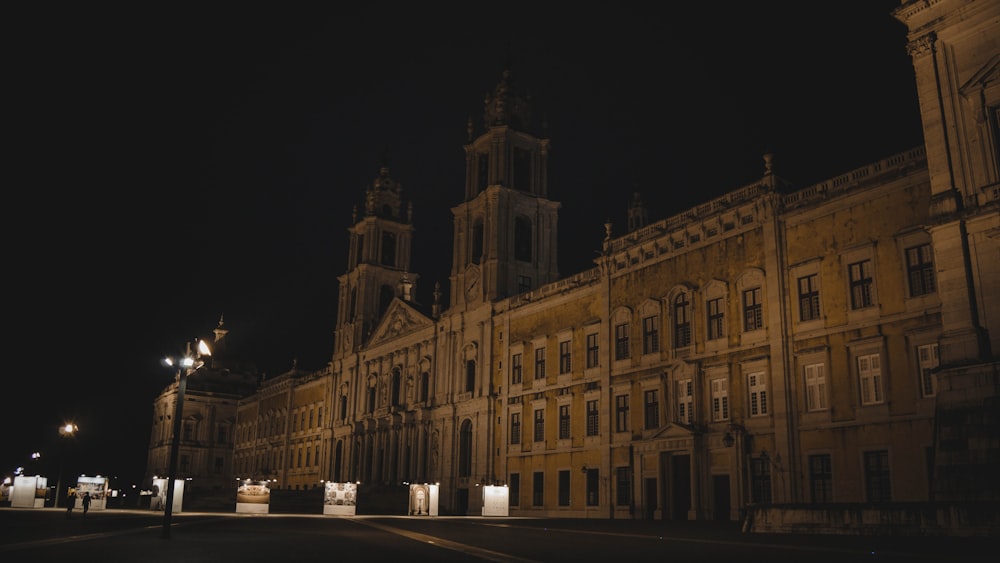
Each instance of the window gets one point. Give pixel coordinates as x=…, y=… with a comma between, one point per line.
x=593, y=484
x=185, y=463
x=563, y=422
x=621, y=413
x=715, y=317
x=820, y=478
x=539, y=425
x=308, y=457
x=514, y=489
x=592, y=418
x=565, y=365
x=816, y=387
x=537, y=488
x=861, y=284
x=388, y=249
x=343, y=407
x=760, y=479
x=720, y=399
x=397, y=389
x=870, y=379
x=221, y=436
x=522, y=236
x=563, y=488
x=652, y=411
x=188, y=431
x=425, y=382
x=592, y=350
x=650, y=335
x=753, y=313
x=920, y=270
x=477, y=242
x=218, y=465
x=312, y=420
x=465, y=449
x=621, y=341
x=470, y=376
x=682, y=321
x=685, y=401
x=809, y=297
x=927, y=361
x=877, y=484
x=371, y=399
x=540, y=363
x=623, y=486
x=515, y=428
x=516, y=369
x=757, y=393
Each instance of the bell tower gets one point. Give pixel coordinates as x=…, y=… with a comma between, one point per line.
x=378, y=263
x=505, y=230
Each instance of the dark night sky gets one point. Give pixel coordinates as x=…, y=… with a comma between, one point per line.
x=167, y=167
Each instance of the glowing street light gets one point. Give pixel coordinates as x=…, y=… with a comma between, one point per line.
x=185, y=365
x=67, y=430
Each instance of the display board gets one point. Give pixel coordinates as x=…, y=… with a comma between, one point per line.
x=496, y=500
x=253, y=497
x=423, y=500
x=340, y=499
x=98, y=489
x=29, y=491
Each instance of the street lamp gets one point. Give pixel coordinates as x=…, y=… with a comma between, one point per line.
x=185, y=364
x=67, y=430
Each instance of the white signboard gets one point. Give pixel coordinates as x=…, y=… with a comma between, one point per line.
x=495, y=501
x=340, y=499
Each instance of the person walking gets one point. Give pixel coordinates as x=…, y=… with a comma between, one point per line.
x=70, y=503
x=86, y=503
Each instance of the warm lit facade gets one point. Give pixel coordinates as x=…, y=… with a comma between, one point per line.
x=208, y=421
x=777, y=344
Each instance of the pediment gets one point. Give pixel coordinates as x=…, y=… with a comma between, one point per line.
x=987, y=75
x=675, y=430
x=399, y=319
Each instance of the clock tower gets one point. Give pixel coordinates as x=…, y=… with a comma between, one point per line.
x=505, y=230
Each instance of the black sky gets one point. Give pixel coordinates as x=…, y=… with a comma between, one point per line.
x=170, y=166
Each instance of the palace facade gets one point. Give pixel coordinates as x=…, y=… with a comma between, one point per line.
x=834, y=343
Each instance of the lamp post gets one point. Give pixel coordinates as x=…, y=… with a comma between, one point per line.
x=67, y=430
x=185, y=364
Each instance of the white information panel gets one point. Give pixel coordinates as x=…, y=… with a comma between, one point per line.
x=340, y=499
x=97, y=487
x=423, y=500
x=28, y=491
x=496, y=501
x=253, y=497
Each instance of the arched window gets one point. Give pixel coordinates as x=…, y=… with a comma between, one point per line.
x=465, y=449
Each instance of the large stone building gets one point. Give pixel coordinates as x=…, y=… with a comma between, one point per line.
x=208, y=420
x=779, y=344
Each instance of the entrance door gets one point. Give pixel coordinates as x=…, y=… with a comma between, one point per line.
x=680, y=486
x=463, y=502
x=720, y=497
